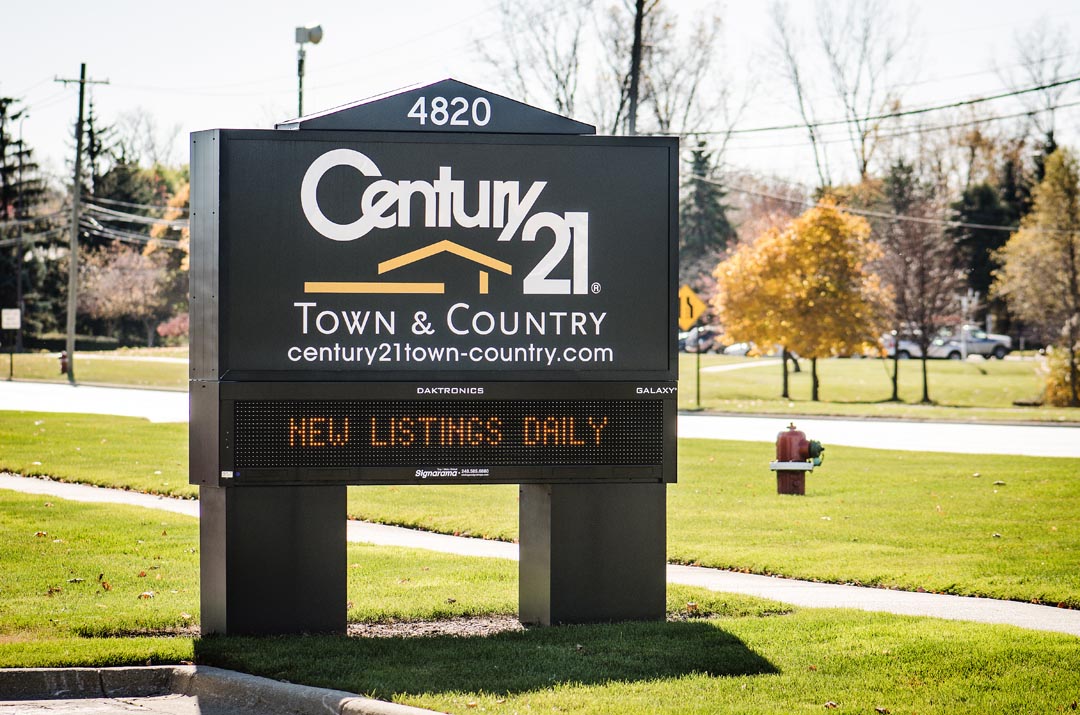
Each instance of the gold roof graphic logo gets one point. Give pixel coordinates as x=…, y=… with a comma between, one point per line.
x=388, y=287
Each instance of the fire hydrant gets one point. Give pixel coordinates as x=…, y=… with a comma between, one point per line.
x=63, y=362
x=795, y=456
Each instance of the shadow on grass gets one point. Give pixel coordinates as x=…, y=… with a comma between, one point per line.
x=507, y=663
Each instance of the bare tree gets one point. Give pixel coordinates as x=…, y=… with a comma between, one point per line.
x=792, y=66
x=920, y=263
x=541, y=50
x=861, y=43
x=141, y=141
x=685, y=89
x=1045, y=57
x=119, y=283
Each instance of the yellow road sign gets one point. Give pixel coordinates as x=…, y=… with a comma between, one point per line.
x=690, y=307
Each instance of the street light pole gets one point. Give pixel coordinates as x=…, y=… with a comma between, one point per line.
x=300, y=55
x=304, y=35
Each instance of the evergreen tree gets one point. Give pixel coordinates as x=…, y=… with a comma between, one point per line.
x=980, y=204
x=25, y=234
x=1014, y=187
x=704, y=228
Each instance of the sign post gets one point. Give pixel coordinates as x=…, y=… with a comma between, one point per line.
x=437, y=286
x=11, y=319
x=691, y=308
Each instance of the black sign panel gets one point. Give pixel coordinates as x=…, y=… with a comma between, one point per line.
x=395, y=433
x=364, y=256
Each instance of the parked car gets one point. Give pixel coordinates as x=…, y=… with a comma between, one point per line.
x=951, y=344
x=738, y=349
x=904, y=348
x=702, y=339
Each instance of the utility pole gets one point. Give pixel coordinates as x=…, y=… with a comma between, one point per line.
x=76, y=197
x=635, y=65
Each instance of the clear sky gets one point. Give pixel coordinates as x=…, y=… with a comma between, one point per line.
x=201, y=64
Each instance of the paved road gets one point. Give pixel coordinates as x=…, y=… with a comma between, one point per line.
x=1030, y=440
x=799, y=593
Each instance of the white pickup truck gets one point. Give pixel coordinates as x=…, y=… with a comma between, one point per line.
x=975, y=341
x=950, y=345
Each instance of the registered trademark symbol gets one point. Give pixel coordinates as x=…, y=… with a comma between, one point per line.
x=595, y=287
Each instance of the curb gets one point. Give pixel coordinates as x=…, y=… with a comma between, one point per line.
x=215, y=686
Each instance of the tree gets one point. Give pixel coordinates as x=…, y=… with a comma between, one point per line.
x=862, y=46
x=170, y=245
x=27, y=228
x=1040, y=265
x=918, y=263
x=807, y=287
x=677, y=84
x=987, y=218
x=704, y=228
x=545, y=57
x=117, y=283
x=1045, y=59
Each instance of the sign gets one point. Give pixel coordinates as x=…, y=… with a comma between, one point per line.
x=366, y=257
x=691, y=308
x=338, y=274
x=10, y=318
x=440, y=285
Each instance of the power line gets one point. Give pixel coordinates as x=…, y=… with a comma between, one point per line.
x=134, y=218
x=116, y=234
x=918, y=129
x=35, y=219
x=890, y=115
x=115, y=202
x=32, y=237
x=866, y=212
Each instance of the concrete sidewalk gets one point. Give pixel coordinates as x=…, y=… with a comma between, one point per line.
x=174, y=690
x=799, y=593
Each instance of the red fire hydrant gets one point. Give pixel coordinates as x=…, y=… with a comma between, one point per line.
x=63, y=362
x=795, y=456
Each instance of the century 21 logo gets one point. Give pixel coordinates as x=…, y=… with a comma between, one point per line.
x=500, y=204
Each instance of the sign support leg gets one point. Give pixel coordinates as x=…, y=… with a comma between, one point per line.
x=273, y=560
x=592, y=553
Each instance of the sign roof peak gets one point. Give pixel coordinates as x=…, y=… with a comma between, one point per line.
x=445, y=106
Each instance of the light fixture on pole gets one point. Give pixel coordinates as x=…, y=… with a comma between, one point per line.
x=304, y=35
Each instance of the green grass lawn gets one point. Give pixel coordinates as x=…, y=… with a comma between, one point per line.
x=735, y=655
x=126, y=367
x=901, y=519
x=975, y=390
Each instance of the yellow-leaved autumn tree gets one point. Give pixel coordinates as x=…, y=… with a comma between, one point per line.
x=806, y=288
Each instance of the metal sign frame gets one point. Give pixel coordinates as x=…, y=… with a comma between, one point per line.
x=245, y=324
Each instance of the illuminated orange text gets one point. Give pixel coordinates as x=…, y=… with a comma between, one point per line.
x=561, y=431
x=318, y=432
x=428, y=431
